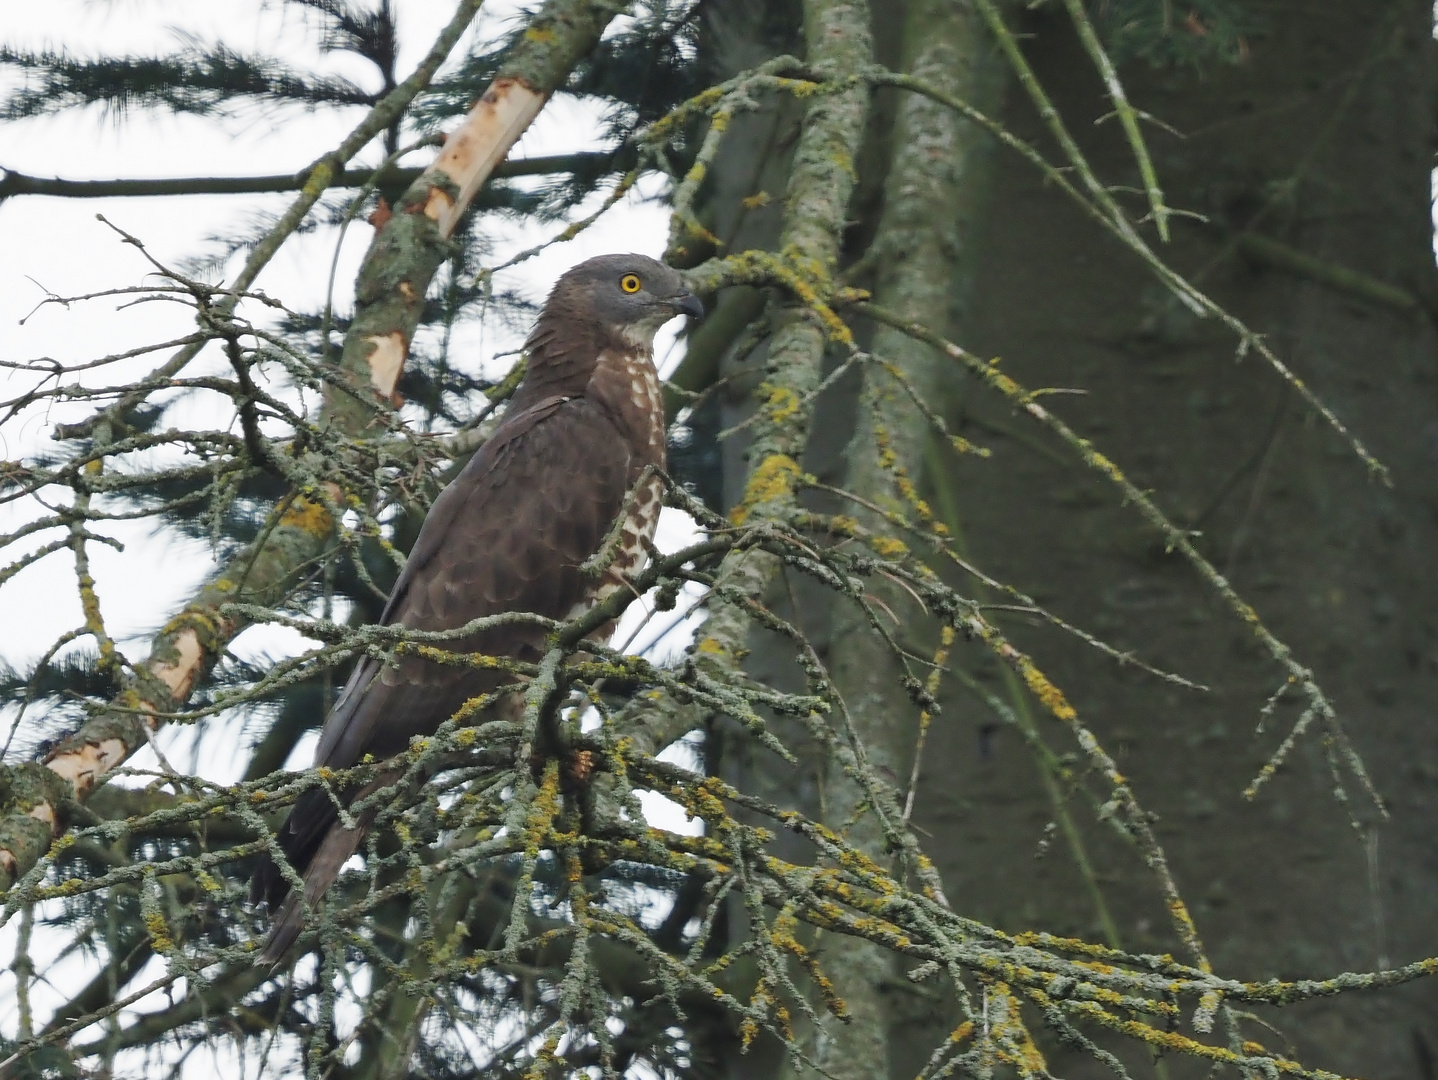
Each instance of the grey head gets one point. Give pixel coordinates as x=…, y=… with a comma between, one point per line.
x=629, y=296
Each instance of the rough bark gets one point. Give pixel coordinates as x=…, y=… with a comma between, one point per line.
x=820, y=182
x=817, y=204
x=923, y=260
x=856, y=1047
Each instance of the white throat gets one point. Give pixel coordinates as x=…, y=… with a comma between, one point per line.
x=639, y=336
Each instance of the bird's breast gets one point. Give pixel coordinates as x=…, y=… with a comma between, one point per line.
x=626, y=384
x=640, y=520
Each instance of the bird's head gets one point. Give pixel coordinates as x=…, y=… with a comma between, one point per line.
x=631, y=296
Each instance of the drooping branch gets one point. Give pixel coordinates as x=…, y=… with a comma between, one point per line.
x=1106, y=213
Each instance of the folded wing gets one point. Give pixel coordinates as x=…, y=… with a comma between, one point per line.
x=508, y=534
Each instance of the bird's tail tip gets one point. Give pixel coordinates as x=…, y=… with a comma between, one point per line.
x=284, y=932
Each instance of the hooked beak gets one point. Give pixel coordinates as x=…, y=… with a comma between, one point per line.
x=686, y=303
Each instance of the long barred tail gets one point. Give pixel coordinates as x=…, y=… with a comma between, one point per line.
x=316, y=845
x=337, y=845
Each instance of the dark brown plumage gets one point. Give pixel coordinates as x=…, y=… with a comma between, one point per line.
x=510, y=533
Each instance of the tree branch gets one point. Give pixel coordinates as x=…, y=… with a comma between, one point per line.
x=409, y=249
x=1280, y=256
x=18, y=183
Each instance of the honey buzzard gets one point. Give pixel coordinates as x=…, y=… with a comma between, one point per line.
x=509, y=534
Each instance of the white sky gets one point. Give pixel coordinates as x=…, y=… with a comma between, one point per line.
x=57, y=245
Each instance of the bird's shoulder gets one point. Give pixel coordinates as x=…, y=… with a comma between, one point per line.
x=508, y=534
x=535, y=500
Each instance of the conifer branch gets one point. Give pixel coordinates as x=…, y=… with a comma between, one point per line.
x=503, y=889
x=13, y=183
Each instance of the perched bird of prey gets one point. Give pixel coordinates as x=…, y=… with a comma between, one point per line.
x=509, y=534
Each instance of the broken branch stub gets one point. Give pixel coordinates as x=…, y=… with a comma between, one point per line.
x=412, y=244
x=471, y=153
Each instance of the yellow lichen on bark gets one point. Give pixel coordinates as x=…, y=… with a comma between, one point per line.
x=309, y=514
x=1048, y=694
x=772, y=481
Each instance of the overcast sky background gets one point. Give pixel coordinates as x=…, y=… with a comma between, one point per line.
x=56, y=246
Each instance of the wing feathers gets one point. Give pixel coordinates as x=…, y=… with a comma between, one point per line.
x=508, y=534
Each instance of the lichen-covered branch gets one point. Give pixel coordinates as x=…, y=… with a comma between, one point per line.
x=510, y=883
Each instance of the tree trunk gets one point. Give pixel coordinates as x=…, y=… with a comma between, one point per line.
x=920, y=262
x=1322, y=141
x=920, y=164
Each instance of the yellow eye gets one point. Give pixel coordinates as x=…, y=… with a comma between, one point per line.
x=630, y=283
